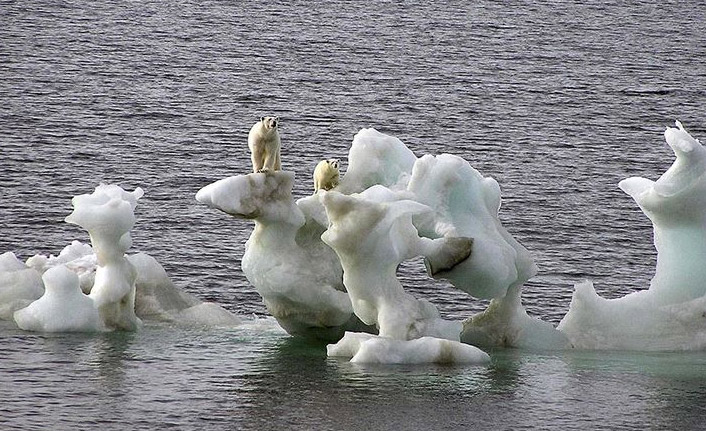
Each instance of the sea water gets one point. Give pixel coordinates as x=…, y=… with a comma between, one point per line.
x=558, y=102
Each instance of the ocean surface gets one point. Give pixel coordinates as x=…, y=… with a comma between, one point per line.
x=557, y=101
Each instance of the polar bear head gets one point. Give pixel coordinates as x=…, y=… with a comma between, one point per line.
x=269, y=123
x=333, y=164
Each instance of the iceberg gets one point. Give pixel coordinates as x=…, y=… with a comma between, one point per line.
x=671, y=314
x=65, y=293
x=327, y=262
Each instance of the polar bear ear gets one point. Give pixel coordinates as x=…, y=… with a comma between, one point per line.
x=276, y=120
x=262, y=119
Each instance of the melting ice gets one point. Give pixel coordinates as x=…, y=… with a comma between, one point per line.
x=325, y=265
x=97, y=287
x=671, y=314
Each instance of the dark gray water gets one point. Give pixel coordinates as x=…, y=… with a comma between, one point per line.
x=557, y=101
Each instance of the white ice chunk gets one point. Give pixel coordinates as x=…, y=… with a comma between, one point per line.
x=108, y=215
x=634, y=322
x=371, y=349
x=466, y=205
x=670, y=315
x=676, y=204
x=158, y=298
x=77, y=256
x=19, y=285
x=505, y=323
x=62, y=308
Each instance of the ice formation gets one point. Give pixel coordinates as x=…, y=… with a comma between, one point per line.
x=121, y=288
x=157, y=298
x=671, y=314
x=325, y=265
x=371, y=240
x=298, y=277
x=77, y=256
x=326, y=262
x=20, y=285
x=62, y=308
x=108, y=215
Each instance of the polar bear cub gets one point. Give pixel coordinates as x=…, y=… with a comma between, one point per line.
x=265, y=145
x=326, y=175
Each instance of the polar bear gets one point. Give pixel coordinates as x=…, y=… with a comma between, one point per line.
x=264, y=144
x=326, y=175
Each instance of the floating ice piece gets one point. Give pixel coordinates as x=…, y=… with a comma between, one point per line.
x=391, y=206
x=371, y=349
x=62, y=308
x=108, y=215
x=297, y=275
x=156, y=297
x=670, y=314
x=19, y=285
x=676, y=205
x=120, y=287
x=460, y=203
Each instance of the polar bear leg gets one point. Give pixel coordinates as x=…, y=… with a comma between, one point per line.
x=257, y=158
x=278, y=162
x=267, y=161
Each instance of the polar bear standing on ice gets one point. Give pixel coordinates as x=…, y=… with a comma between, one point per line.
x=326, y=175
x=264, y=144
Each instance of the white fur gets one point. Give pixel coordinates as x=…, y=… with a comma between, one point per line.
x=326, y=175
x=265, y=145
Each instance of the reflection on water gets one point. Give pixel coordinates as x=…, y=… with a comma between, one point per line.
x=255, y=377
x=294, y=383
